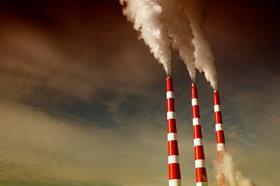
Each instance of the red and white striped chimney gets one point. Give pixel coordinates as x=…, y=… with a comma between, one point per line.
x=220, y=139
x=174, y=174
x=200, y=169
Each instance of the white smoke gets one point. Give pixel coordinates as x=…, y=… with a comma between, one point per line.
x=232, y=177
x=176, y=23
x=145, y=15
x=204, y=56
x=178, y=26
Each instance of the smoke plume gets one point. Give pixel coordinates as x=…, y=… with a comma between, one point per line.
x=145, y=16
x=175, y=23
x=204, y=57
x=232, y=177
x=178, y=26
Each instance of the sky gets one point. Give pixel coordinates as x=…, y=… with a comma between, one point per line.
x=83, y=102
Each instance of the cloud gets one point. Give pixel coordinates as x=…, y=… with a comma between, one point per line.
x=39, y=148
x=36, y=61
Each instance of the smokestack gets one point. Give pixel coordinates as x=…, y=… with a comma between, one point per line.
x=218, y=123
x=174, y=174
x=199, y=157
x=220, y=139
